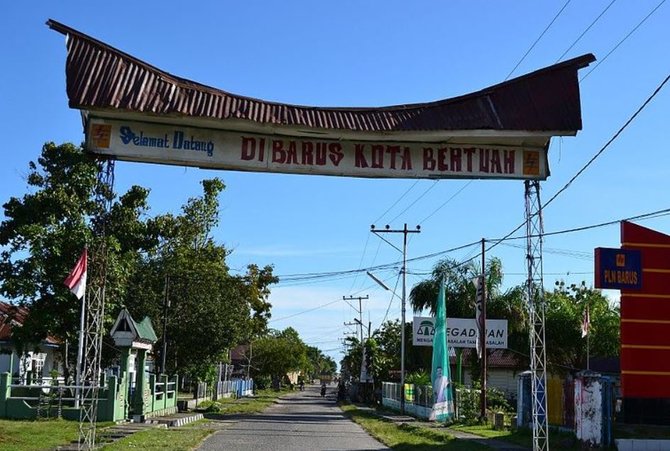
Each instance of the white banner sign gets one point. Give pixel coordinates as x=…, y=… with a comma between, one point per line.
x=461, y=332
x=220, y=149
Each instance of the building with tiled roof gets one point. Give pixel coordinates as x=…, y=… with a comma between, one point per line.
x=39, y=360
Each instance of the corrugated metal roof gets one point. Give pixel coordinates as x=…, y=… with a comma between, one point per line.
x=9, y=315
x=15, y=315
x=100, y=77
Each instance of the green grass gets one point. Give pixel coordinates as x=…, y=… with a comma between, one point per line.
x=522, y=437
x=38, y=435
x=407, y=437
x=483, y=430
x=175, y=439
x=22, y=435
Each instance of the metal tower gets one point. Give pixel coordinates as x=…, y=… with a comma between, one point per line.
x=95, y=309
x=536, y=306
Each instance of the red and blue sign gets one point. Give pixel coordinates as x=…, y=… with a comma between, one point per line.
x=618, y=269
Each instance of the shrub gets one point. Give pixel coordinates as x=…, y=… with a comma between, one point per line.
x=262, y=382
x=418, y=378
x=496, y=400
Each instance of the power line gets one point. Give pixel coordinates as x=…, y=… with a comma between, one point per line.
x=446, y=202
x=623, y=40
x=391, y=300
x=537, y=40
x=657, y=213
x=360, y=263
x=396, y=202
x=611, y=140
x=415, y=201
x=388, y=266
x=509, y=235
x=602, y=149
x=585, y=31
x=304, y=311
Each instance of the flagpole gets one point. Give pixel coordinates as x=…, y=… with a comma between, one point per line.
x=588, y=326
x=80, y=350
x=483, y=334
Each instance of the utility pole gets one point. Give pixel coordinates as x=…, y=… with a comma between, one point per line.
x=166, y=306
x=482, y=327
x=360, y=311
x=405, y=231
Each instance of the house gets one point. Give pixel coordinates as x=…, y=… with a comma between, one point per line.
x=502, y=370
x=36, y=362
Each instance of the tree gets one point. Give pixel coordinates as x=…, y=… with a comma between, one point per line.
x=210, y=310
x=460, y=296
x=350, y=365
x=318, y=363
x=277, y=354
x=565, y=305
x=45, y=231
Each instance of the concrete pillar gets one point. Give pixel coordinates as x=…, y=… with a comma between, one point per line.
x=140, y=401
x=124, y=381
x=5, y=391
x=588, y=409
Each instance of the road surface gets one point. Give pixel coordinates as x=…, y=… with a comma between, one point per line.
x=300, y=421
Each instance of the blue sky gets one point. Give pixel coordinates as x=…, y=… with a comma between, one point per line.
x=368, y=53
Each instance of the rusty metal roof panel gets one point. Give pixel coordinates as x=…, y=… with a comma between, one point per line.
x=100, y=77
x=15, y=316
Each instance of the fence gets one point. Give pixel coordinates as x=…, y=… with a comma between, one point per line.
x=234, y=388
x=419, y=399
x=48, y=398
x=163, y=395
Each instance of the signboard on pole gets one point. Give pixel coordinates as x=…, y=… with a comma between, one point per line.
x=461, y=332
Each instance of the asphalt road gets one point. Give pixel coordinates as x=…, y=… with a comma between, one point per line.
x=300, y=421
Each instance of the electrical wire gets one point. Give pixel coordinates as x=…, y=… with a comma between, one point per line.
x=393, y=265
x=537, y=40
x=415, y=200
x=611, y=140
x=396, y=202
x=509, y=235
x=586, y=31
x=360, y=263
x=304, y=311
x=597, y=154
x=391, y=300
x=445, y=203
x=622, y=40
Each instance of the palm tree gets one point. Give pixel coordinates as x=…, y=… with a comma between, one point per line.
x=459, y=288
x=460, y=298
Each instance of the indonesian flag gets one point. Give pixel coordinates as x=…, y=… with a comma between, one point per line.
x=586, y=322
x=76, y=280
